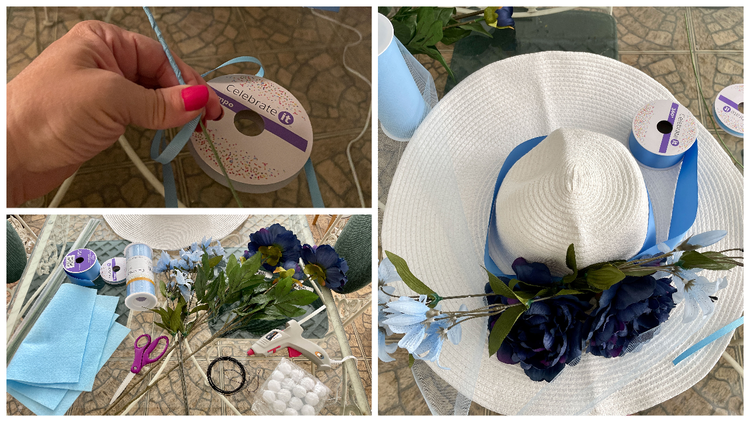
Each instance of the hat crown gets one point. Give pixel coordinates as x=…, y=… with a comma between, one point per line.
x=576, y=187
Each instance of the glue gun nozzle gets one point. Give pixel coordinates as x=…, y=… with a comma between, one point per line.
x=250, y=352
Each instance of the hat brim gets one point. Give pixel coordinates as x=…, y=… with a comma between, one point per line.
x=172, y=232
x=438, y=210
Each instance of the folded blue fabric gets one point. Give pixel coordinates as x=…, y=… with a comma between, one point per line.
x=115, y=336
x=53, y=350
x=50, y=395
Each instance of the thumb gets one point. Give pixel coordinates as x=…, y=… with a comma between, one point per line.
x=165, y=108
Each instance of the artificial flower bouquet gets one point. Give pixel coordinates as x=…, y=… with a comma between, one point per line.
x=545, y=323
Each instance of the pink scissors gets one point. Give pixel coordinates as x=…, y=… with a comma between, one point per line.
x=142, y=358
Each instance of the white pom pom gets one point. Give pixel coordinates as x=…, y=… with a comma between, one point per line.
x=290, y=412
x=321, y=390
x=295, y=403
x=312, y=399
x=269, y=396
x=299, y=391
x=308, y=383
x=288, y=383
x=308, y=410
x=277, y=375
x=279, y=406
x=297, y=375
x=284, y=395
x=274, y=385
x=284, y=368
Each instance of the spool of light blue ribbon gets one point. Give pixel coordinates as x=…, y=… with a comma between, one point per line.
x=401, y=106
x=141, y=287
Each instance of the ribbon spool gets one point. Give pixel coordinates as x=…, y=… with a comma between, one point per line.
x=727, y=110
x=272, y=152
x=140, y=288
x=114, y=271
x=661, y=134
x=82, y=267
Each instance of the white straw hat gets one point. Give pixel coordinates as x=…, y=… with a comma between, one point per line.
x=438, y=212
x=577, y=187
x=172, y=232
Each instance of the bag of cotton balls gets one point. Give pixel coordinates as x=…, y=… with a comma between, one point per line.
x=290, y=390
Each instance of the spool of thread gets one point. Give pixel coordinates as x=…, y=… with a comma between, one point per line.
x=727, y=110
x=114, y=271
x=141, y=288
x=82, y=267
x=401, y=107
x=662, y=132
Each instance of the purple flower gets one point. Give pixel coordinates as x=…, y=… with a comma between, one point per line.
x=505, y=17
x=276, y=245
x=626, y=310
x=534, y=273
x=324, y=265
x=546, y=337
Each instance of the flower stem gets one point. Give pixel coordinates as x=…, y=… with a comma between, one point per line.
x=221, y=165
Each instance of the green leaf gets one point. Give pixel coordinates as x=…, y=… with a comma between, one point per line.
x=444, y=14
x=707, y=261
x=490, y=14
x=252, y=264
x=159, y=324
x=476, y=26
x=437, y=55
x=299, y=298
x=163, y=313
x=214, y=261
x=570, y=258
x=260, y=299
x=199, y=308
x=175, y=321
x=283, y=286
x=409, y=279
x=604, y=277
x=640, y=271
x=384, y=10
x=500, y=288
x=569, y=292
x=403, y=31
x=411, y=361
x=290, y=310
x=163, y=288
x=451, y=35
x=502, y=327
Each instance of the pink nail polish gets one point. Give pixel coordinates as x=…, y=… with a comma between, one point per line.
x=195, y=97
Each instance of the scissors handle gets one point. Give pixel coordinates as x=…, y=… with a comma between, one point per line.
x=142, y=354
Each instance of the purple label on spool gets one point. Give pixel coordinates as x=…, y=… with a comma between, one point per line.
x=269, y=125
x=670, y=119
x=79, y=261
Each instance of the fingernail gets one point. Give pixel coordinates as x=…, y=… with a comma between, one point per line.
x=220, y=115
x=195, y=97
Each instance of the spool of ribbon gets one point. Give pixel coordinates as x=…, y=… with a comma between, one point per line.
x=402, y=105
x=140, y=287
x=114, y=271
x=164, y=154
x=662, y=132
x=82, y=267
x=727, y=110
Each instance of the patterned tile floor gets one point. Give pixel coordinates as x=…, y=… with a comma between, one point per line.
x=202, y=400
x=299, y=50
x=654, y=41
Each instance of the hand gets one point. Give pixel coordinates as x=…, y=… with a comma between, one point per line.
x=76, y=98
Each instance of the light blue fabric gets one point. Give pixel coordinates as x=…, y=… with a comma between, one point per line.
x=115, y=336
x=53, y=350
x=50, y=395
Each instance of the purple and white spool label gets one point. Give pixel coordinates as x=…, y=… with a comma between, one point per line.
x=277, y=153
x=114, y=271
x=727, y=107
x=79, y=261
x=665, y=128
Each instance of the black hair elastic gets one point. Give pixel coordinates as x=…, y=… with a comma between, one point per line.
x=211, y=382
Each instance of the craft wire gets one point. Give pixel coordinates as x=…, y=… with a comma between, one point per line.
x=211, y=381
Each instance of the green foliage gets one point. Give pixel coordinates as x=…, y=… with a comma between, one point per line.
x=420, y=28
x=716, y=261
x=403, y=270
x=503, y=325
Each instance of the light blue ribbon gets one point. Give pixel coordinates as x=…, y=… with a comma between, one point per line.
x=727, y=329
x=164, y=154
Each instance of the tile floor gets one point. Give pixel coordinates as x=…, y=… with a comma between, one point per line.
x=202, y=400
x=653, y=40
x=299, y=50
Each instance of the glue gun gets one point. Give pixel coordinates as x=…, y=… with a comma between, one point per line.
x=291, y=337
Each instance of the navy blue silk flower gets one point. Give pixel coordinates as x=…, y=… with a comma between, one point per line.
x=276, y=244
x=546, y=337
x=505, y=17
x=323, y=264
x=626, y=310
x=534, y=273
